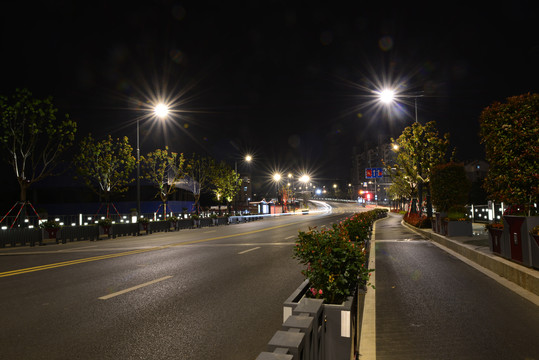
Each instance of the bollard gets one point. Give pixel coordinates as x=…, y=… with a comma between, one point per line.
x=304, y=323
x=277, y=354
x=313, y=308
x=291, y=339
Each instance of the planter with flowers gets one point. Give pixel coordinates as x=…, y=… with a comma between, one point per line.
x=104, y=225
x=495, y=232
x=144, y=223
x=337, y=271
x=173, y=222
x=457, y=222
x=51, y=227
x=196, y=220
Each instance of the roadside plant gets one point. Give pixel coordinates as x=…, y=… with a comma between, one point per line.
x=105, y=222
x=50, y=225
x=510, y=133
x=33, y=137
x=335, y=264
x=457, y=213
x=497, y=225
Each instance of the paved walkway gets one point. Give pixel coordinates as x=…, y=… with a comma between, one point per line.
x=476, y=250
x=429, y=305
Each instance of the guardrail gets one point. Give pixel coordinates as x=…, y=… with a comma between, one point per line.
x=32, y=235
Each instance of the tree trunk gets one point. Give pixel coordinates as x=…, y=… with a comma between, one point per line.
x=24, y=185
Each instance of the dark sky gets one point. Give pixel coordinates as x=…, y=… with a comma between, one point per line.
x=289, y=82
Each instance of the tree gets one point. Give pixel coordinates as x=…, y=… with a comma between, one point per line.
x=449, y=186
x=226, y=183
x=106, y=166
x=197, y=176
x=420, y=149
x=163, y=168
x=510, y=132
x=32, y=137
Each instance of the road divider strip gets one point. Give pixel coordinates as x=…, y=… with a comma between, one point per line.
x=106, y=297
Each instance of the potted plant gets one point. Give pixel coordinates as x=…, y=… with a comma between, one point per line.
x=457, y=222
x=495, y=231
x=449, y=193
x=214, y=219
x=51, y=227
x=173, y=221
x=196, y=220
x=144, y=223
x=105, y=224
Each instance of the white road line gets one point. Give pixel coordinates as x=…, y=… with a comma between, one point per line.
x=106, y=297
x=290, y=237
x=246, y=251
x=211, y=231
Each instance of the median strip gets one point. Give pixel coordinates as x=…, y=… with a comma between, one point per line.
x=106, y=297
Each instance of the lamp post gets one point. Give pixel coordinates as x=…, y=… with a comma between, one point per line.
x=160, y=111
x=387, y=96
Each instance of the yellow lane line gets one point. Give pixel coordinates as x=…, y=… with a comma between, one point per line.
x=132, y=252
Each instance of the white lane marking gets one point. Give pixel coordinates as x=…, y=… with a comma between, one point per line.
x=246, y=251
x=290, y=237
x=211, y=231
x=106, y=297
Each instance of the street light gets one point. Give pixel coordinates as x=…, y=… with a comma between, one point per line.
x=387, y=96
x=161, y=111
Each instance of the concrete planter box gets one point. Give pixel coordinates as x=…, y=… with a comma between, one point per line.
x=520, y=246
x=495, y=240
x=459, y=228
x=534, y=244
x=337, y=327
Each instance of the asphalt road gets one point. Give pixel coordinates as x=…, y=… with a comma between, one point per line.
x=430, y=305
x=210, y=293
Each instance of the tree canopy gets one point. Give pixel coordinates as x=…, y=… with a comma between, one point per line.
x=419, y=148
x=163, y=168
x=225, y=182
x=32, y=137
x=106, y=166
x=510, y=133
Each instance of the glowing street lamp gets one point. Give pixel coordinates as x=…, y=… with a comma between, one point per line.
x=161, y=111
x=387, y=96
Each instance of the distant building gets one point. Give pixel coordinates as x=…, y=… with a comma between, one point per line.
x=476, y=170
x=372, y=157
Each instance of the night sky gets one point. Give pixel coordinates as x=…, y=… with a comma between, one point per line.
x=290, y=83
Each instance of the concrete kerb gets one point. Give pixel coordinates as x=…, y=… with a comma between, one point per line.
x=524, y=277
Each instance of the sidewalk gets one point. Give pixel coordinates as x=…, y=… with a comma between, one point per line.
x=476, y=249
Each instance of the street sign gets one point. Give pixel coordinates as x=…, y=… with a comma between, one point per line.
x=371, y=173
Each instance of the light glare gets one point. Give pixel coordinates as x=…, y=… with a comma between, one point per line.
x=387, y=96
x=161, y=110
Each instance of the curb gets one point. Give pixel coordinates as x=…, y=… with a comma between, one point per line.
x=526, y=278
